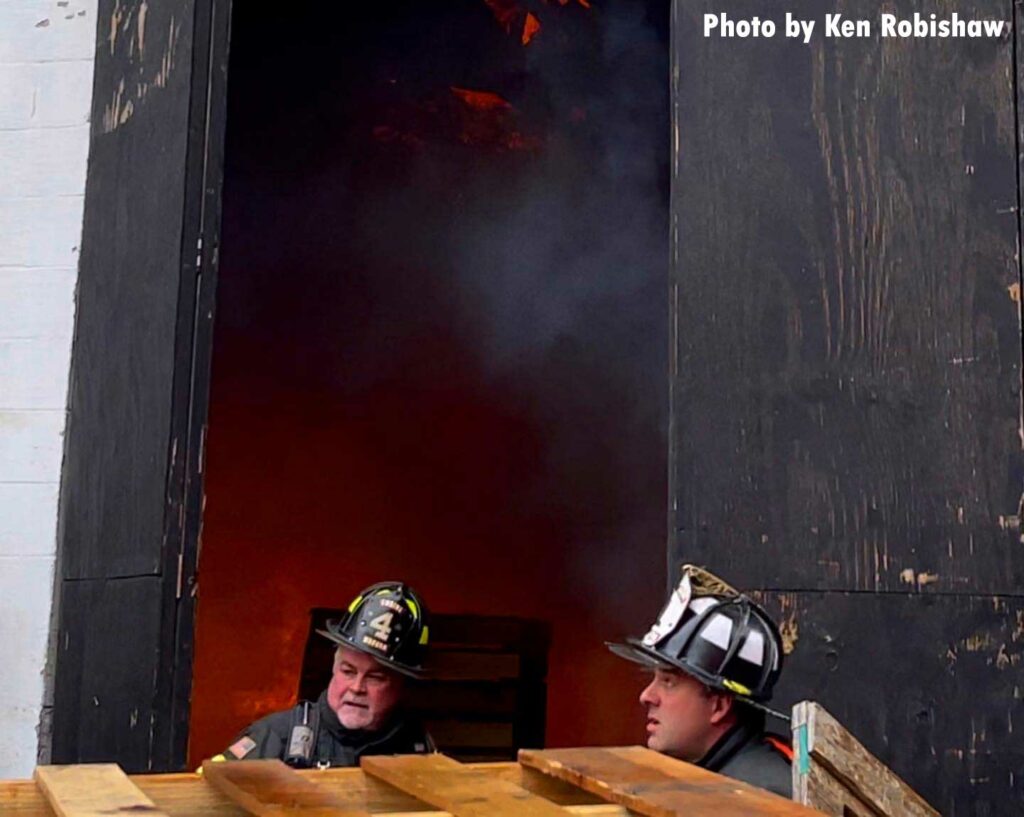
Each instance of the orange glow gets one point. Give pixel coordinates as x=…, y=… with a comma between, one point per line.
x=481, y=100
x=365, y=488
x=584, y=3
x=530, y=28
x=505, y=12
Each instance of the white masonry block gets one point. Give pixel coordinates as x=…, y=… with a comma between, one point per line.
x=46, y=30
x=47, y=48
x=26, y=587
x=43, y=161
x=45, y=94
x=43, y=232
x=34, y=373
x=28, y=525
x=37, y=303
x=31, y=446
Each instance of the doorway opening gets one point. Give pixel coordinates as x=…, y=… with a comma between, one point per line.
x=440, y=352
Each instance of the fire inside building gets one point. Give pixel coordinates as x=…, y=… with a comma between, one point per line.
x=440, y=348
x=528, y=304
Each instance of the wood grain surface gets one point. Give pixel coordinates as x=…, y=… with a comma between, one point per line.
x=650, y=783
x=825, y=749
x=92, y=790
x=269, y=787
x=458, y=788
x=189, y=795
x=929, y=684
x=846, y=377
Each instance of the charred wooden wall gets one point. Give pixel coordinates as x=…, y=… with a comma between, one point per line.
x=847, y=373
x=130, y=503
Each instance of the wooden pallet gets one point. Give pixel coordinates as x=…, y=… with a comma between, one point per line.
x=595, y=782
x=833, y=772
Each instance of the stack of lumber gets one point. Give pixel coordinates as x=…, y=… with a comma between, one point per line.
x=545, y=783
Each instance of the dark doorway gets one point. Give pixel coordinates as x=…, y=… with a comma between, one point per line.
x=441, y=342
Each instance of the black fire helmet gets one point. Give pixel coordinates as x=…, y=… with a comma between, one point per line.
x=715, y=634
x=387, y=621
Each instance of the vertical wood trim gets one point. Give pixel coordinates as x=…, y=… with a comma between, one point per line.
x=131, y=497
x=1018, y=88
x=196, y=309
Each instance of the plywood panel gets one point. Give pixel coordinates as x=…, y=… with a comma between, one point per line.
x=847, y=354
x=104, y=701
x=929, y=684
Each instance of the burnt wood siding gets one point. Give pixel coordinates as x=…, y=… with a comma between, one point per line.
x=130, y=495
x=846, y=371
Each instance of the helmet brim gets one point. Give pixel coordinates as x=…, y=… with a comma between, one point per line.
x=636, y=651
x=404, y=669
x=633, y=649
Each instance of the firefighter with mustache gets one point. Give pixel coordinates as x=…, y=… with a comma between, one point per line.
x=715, y=657
x=382, y=643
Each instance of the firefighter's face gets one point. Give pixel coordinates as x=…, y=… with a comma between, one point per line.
x=362, y=692
x=684, y=717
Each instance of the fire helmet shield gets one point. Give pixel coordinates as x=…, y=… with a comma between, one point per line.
x=671, y=613
x=722, y=639
x=387, y=621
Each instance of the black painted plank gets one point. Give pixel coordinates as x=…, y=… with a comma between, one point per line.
x=109, y=632
x=193, y=352
x=847, y=361
x=132, y=482
x=931, y=684
x=118, y=438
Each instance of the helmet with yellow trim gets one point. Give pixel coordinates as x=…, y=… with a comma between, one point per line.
x=715, y=634
x=387, y=621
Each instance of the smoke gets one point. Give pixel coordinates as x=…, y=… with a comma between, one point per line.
x=441, y=343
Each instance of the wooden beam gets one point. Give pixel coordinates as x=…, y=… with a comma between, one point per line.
x=187, y=795
x=458, y=788
x=829, y=758
x=92, y=790
x=650, y=783
x=269, y=787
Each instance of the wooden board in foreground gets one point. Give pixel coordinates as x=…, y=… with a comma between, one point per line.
x=833, y=772
x=651, y=783
x=458, y=789
x=93, y=790
x=269, y=787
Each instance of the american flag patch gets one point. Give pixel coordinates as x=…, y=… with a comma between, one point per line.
x=241, y=747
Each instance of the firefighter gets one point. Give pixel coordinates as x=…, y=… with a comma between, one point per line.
x=715, y=656
x=382, y=643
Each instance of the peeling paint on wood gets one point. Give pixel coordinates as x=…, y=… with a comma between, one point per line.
x=930, y=684
x=141, y=74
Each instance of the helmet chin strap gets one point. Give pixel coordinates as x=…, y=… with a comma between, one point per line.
x=766, y=709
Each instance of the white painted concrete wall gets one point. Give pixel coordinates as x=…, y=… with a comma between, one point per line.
x=46, y=66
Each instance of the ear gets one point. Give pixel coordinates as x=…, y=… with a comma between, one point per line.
x=722, y=707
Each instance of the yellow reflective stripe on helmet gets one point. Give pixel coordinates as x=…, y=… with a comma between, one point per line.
x=352, y=607
x=412, y=606
x=424, y=635
x=739, y=689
